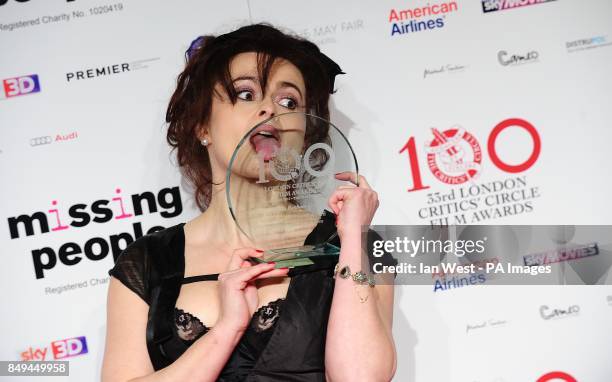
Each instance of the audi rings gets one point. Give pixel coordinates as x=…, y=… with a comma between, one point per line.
x=38, y=141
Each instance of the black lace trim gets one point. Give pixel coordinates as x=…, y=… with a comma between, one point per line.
x=190, y=327
x=265, y=317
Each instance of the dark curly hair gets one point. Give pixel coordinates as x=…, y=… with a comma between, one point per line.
x=207, y=63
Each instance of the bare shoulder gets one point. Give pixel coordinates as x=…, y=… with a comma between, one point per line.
x=125, y=354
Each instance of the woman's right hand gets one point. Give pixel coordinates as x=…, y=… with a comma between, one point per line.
x=238, y=297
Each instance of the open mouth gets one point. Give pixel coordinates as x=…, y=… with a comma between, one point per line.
x=265, y=141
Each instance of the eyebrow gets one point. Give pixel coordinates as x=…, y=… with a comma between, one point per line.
x=283, y=84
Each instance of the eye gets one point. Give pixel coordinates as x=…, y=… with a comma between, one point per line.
x=245, y=94
x=289, y=103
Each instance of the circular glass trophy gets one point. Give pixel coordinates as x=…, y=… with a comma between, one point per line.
x=278, y=184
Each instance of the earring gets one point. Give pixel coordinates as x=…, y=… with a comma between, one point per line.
x=204, y=142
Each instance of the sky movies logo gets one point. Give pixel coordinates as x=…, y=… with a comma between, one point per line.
x=560, y=255
x=502, y=5
x=18, y=86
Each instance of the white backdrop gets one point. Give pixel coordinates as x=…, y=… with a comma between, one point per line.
x=85, y=89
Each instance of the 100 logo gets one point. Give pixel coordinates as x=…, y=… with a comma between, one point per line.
x=454, y=156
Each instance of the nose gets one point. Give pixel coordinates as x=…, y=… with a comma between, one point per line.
x=267, y=108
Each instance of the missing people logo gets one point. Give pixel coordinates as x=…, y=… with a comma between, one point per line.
x=454, y=156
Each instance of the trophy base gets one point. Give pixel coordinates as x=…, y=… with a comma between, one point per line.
x=297, y=256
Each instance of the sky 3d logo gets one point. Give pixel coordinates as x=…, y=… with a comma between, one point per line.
x=18, y=86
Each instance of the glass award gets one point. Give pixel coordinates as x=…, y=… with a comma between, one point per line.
x=279, y=181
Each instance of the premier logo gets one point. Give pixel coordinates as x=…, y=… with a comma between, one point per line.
x=97, y=72
x=110, y=70
x=501, y=5
x=412, y=20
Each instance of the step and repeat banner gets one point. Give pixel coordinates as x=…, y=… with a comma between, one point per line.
x=521, y=88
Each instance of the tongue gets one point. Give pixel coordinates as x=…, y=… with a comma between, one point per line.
x=267, y=146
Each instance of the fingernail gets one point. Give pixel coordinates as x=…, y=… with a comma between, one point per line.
x=259, y=250
x=283, y=268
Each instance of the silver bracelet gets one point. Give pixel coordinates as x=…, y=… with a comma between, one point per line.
x=359, y=277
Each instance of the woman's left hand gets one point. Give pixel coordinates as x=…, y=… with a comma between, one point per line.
x=353, y=205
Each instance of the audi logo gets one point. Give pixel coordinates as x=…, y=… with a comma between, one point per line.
x=41, y=141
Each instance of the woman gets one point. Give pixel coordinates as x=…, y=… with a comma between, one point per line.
x=185, y=304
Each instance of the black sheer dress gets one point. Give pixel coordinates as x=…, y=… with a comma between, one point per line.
x=285, y=340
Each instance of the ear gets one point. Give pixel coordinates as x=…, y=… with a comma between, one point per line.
x=202, y=132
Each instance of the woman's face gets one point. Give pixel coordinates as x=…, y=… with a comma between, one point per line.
x=285, y=92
